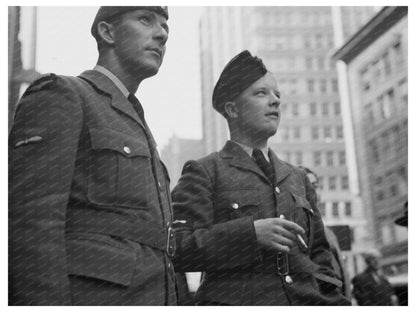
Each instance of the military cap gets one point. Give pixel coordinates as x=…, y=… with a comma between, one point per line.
x=239, y=74
x=106, y=13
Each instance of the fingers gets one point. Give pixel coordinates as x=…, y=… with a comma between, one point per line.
x=290, y=226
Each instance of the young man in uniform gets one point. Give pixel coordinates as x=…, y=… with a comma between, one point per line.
x=245, y=218
x=90, y=210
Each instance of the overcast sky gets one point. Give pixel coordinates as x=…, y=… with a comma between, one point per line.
x=171, y=99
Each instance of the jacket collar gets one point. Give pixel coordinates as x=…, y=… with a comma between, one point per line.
x=118, y=100
x=239, y=158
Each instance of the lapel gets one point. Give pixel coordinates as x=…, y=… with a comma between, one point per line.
x=281, y=169
x=118, y=100
x=237, y=157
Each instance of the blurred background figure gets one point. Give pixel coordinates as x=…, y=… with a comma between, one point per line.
x=371, y=287
x=338, y=263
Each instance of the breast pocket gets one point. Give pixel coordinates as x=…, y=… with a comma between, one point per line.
x=119, y=170
x=303, y=215
x=233, y=204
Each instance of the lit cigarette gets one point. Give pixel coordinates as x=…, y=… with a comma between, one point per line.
x=301, y=241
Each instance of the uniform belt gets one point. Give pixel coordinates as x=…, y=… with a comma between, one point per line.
x=145, y=232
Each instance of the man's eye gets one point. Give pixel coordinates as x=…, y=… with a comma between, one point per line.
x=261, y=92
x=144, y=20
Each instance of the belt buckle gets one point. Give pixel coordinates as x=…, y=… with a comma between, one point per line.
x=170, y=243
x=282, y=263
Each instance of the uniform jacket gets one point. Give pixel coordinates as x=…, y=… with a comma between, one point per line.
x=369, y=292
x=215, y=203
x=86, y=196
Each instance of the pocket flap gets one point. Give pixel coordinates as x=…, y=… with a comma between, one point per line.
x=235, y=199
x=104, y=262
x=301, y=202
x=129, y=146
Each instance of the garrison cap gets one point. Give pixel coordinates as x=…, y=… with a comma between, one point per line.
x=239, y=74
x=105, y=13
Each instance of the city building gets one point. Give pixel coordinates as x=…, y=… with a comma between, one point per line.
x=178, y=151
x=21, y=53
x=296, y=44
x=373, y=73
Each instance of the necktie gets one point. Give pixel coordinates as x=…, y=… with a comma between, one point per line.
x=139, y=110
x=137, y=106
x=264, y=165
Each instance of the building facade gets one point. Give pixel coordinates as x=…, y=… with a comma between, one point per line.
x=296, y=44
x=373, y=68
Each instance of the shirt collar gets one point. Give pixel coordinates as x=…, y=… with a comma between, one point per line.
x=113, y=78
x=249, y=150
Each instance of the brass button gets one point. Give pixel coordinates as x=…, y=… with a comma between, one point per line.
x=288, y=279
x=235, y=206
x=277, y=190
x=127, y=150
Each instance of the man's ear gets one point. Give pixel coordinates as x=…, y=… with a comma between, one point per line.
x=106, y=32
x=231, y=110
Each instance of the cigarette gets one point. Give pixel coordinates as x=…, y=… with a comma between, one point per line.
x=301, y=241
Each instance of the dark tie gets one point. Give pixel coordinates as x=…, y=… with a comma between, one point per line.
x=139, y=110
x=137, y=106
x=264, y=165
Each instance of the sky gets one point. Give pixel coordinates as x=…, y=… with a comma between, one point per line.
x=171, y=99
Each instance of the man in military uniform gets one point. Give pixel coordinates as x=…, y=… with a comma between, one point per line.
x=90, y=210
x=246, y=218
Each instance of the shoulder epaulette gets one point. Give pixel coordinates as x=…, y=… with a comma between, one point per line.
x=45, y=81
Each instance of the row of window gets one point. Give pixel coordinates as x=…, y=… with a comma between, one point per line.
x=311, y=109
x=392, y=183
x=328, y=159
x=316, y=133
x=311, y=86
x=388, y=104
x=382, y=67
x=298, y=63
x=298, y=42
x=283, y=18
x=336, y=209
x=389, y=144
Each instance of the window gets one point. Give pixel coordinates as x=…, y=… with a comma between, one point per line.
x=368, y=108
x=348, y=211
x=374, y=150
x=312, y=108
x=332, y=183
x=322, y=86
x=341, y=158
x=325, y=109
x=308, y=63
x=318, y=39
x=344, y=182
x=285, y=133
x=385, y=142
x=335, y=85
x=295, y=109
x=296, y=132
x=330, y=158
x=321, y=63
x=298, y=158
x=398, y=53
x=386, y=63
x=393, y=190
x=390, y=100
x=307, y=41
x=315, y=133
x=376, y=71
x=365, y=79
x=327, y=132
x=317, y=159
x=335, y=209
x=340, y=134
x=337, y=108
x=311, y=86
x=380, y=196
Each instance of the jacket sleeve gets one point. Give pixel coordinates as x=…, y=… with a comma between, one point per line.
x=42, y=150
x=320, y=249
x=203, y=245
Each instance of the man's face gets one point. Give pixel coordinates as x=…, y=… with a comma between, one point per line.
x=140, y=41
x=258, y=108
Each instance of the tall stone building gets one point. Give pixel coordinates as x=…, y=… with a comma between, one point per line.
x=373, y=70
x=296, y=44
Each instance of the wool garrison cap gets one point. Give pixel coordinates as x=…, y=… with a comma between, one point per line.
x=239, y=74
x=105, y=13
